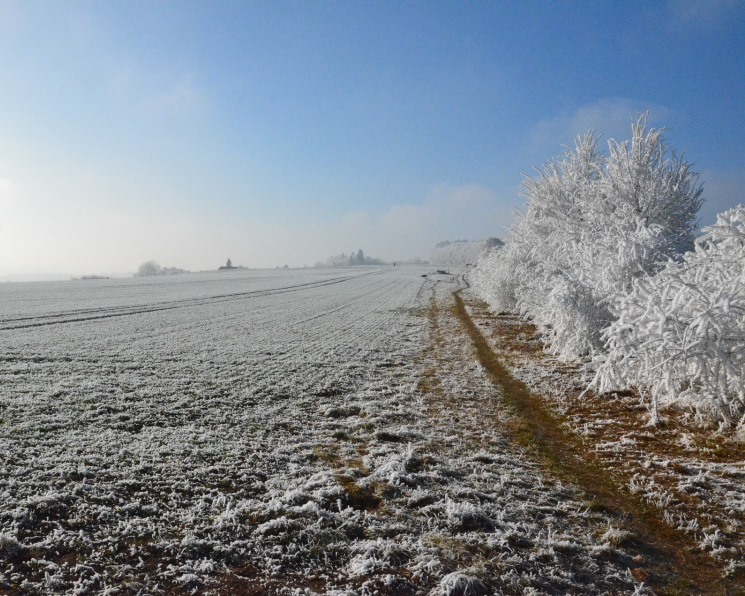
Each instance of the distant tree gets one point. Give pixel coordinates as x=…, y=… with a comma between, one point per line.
x=147, y=269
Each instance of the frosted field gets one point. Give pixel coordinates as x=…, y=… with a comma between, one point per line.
x=317, y=431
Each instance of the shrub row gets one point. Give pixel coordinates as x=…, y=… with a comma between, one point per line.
x=605, y=262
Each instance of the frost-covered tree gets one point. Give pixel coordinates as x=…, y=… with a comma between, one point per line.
x=536, y=256
x=651, y=186
x=552, y=284
x=148, y=268
x=593, y=223
x=680, y=336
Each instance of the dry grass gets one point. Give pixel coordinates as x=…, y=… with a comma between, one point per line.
x=517, y=338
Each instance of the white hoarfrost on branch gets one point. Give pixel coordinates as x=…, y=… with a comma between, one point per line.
x=680, y=337
x=592, y=225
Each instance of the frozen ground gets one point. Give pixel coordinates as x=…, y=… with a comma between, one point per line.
x=295, y=431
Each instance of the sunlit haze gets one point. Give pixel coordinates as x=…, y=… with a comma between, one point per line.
x=281, y=133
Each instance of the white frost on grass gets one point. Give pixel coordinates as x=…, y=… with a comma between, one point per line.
x=460, y=584
x=189, y=432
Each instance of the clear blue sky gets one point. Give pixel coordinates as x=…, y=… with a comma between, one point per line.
x=284, y=132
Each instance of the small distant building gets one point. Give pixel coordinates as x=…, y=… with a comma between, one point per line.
x=227, y=265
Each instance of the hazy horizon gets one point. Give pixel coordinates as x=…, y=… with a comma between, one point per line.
x=285, y=133
x=92, y=276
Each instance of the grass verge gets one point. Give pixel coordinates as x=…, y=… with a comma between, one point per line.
x=673, y=563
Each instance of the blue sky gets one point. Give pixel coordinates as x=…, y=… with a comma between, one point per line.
x=285, y=132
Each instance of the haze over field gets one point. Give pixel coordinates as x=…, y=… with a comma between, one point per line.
x=281, y=133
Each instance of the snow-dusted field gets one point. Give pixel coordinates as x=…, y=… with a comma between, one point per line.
x=318, y=430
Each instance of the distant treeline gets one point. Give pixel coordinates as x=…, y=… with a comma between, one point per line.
x=354, y=258
x=462, y=252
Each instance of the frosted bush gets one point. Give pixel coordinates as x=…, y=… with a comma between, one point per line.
x=461, y=252
x=494, y=278
x=593, y=224
x=680, y=336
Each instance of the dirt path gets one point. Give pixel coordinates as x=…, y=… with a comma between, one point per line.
x=521, y=529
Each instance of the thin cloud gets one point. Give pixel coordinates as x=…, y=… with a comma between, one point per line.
x=182, y=97
x=133, y=86
x=706, y=15
x=6, y=202
x=610, y=117
x=128, y=78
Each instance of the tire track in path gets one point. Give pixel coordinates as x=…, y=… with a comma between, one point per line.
x=674, y=562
